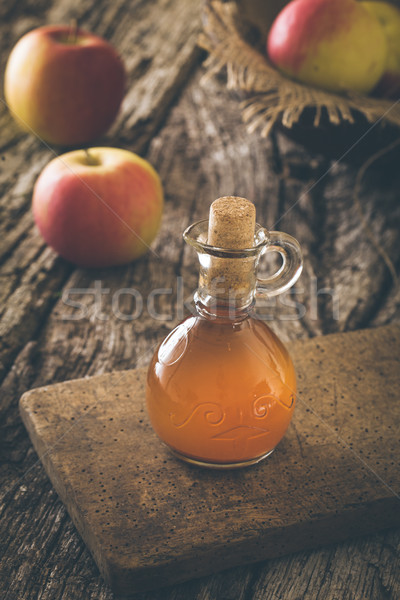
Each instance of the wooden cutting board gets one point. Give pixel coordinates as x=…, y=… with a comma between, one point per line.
x=151, y=520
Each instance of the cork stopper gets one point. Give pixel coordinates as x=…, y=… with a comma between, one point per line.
x=231, y=223
x=231, y=227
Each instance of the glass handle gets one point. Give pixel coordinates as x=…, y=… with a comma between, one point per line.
x=290, y=270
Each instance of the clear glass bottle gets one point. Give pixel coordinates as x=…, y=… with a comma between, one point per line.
x=221, y=387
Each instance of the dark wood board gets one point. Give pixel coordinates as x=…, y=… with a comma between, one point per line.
x=151, y=520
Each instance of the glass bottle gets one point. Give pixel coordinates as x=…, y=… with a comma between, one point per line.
x=221, y=387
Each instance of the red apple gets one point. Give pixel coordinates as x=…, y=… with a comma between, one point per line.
x=336, y=45
x=100, y=207
x=388, y=16
x=64, y=85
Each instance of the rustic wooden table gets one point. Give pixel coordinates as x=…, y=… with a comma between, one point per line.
x=193, y=134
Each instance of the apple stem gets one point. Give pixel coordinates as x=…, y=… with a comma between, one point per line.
x=73, y=31
x=91, y=160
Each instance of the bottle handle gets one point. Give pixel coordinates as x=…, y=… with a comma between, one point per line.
x=290, y=270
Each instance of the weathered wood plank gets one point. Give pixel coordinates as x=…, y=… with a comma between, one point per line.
x=152, y=520
x=159, y=54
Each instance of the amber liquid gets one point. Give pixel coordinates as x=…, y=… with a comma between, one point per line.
x=221, y=393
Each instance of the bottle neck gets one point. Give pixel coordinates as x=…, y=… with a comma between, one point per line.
x=226, y=287
x=212, y=308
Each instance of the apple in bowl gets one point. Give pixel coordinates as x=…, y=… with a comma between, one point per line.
x=100, y=207
x=388, y=16
x=64, y=84
x=336, y=45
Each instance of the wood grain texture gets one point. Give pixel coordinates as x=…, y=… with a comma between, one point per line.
x=202, y=151
x=158, y=54
x=150, y=520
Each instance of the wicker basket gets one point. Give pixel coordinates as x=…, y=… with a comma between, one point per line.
x=338, y=126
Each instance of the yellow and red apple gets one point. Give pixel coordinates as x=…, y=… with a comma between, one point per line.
x=388, y=16
x=64, y=85
x=100, y=207
x=336, y=45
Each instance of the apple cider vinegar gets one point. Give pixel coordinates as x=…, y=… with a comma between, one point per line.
x=221, y=387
